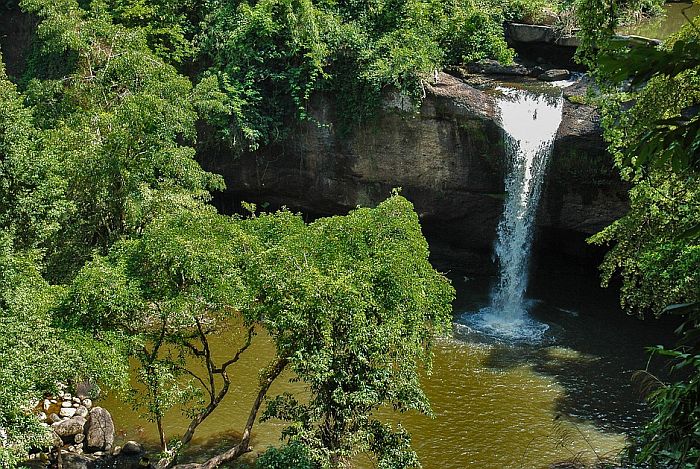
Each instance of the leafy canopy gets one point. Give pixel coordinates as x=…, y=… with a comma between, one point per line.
x=652, y=128
x=355, y=305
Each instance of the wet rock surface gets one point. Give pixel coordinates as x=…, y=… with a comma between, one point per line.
x=555, y=74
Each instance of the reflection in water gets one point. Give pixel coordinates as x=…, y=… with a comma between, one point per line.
x=662, y=27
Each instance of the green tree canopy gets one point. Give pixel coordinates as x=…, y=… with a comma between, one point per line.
x=653, y=130
x=355, y=305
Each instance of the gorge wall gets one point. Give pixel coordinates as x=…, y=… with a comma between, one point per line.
x=448, y=158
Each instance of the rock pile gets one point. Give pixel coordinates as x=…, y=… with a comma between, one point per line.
x=77, y=426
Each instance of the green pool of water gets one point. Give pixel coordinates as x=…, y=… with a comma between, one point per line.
x=496, y=405
x=664, y=26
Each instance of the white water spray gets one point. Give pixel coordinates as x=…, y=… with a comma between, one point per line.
x=530, y=122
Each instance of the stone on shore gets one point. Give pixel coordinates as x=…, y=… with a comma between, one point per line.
x=100, y=430
x=67, y=412
x=493, y=67
x=132, y=447
x=555, y=74
x=69, y=428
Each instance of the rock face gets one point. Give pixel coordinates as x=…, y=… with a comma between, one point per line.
x=532, y=33
x=99, y=430
x=448, y=158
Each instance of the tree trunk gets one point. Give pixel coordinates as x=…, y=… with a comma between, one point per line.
x=242, y=447
x=161, y=434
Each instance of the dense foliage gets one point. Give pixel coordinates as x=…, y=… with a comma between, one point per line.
x=653, y=128
x=359, y=343
x=34, y=352
x=110, y=254
x=268, y=56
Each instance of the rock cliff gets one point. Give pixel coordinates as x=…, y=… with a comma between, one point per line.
x=448, y=158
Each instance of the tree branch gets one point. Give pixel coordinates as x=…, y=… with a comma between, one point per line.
x=243, y=446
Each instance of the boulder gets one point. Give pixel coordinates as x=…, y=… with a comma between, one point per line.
x=530, y=33
x=132, y=447
x=555, y=74
x=87, y=403
x=79, y=438
x=66, y=404
x=78, y=461
x=54, y=418
x=536, y=71
x=67, y=412
x=69, y=428
x=493, y=67
x=99, y=430
x=568, y=41
x=82, y=411
x=56, y=441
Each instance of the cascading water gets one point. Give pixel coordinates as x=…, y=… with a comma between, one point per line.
x=530, y=122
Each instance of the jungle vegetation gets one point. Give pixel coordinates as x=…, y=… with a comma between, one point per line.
x=651, y=111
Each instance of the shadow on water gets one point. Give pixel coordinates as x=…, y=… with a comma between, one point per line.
x=591, y=348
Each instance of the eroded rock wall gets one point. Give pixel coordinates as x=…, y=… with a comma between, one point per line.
x=448, y=158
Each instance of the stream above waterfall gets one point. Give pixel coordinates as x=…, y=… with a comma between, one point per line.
x=674, y=17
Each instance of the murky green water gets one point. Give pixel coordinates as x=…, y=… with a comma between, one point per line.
x=496, y=405
x=663, y=27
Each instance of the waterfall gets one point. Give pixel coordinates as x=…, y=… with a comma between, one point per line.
x=530, y=122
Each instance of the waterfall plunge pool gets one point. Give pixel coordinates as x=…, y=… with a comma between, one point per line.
x=498, y=402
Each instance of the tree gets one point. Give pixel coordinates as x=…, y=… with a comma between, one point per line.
x=35, y=355
x=115, y=124
x=355, y=305
x=654, y=135
x=171, y=288
x=351, y=303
